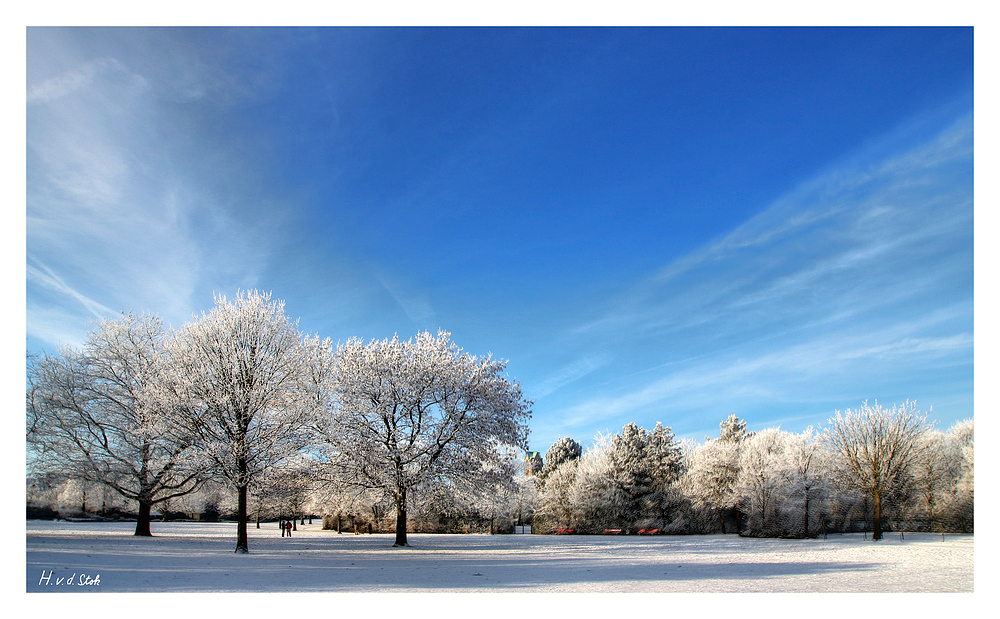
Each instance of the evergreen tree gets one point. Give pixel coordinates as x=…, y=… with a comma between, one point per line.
x=664, y=455
x=563, y=450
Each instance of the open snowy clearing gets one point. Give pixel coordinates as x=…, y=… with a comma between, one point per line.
x=199, y=557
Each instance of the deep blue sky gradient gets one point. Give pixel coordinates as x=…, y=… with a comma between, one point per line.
x=662, y=224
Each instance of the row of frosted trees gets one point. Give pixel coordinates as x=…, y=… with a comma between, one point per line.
x=240, y=413
x=873, y=468
x=240, y=405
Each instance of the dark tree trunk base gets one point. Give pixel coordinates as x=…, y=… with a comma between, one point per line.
x=142, y=523
x=401, y=520
x=242, y=543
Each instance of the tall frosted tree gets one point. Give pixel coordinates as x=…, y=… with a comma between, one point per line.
x=632, y=469
x=410, y=412
x=807, y=468
x=714, y=469
x=733, y=429
x=875, y=446
x=559, y=499
x=563, y=450
x=643, y=465
x=936, y=470
x=664, y=454
x=241, y=375
x=763, y=475
x=92, y=414
x=963, y=435
x=558, y=489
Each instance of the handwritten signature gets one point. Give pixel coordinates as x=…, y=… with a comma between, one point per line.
x=83, y=580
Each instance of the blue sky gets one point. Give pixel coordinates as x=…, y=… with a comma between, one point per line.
x=666, y=224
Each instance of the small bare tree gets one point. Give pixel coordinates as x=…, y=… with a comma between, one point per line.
x=875, y=446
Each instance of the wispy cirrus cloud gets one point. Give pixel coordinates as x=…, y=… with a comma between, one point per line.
x=124, y=209
x=817, y=371
x=831, y=294
x=40, y=274
x=81, y=78
x=569, y=374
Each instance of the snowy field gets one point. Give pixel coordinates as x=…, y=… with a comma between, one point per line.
x=199, y=557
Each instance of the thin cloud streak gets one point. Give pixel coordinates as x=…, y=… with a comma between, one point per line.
x=853, y=268
x=44, y=276
x=119, y=202
x=81, y=78
x=569, y=374
x=778, y=377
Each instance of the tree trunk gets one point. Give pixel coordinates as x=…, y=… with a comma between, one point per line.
x=722, y=519
x=241, y=520
x=142, y=523
x=401, y=520
x=805, y=518
x=876, y=516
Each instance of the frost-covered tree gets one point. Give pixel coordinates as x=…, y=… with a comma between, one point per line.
x=409, y=413
x=642, y=466
x=733, y=429
x=283, y=491
x=664, y=454
x=526, y=499
x=962, y=434
x=713, y=469
x=556, y=502
x=630, y=474
x=807, y=470
x=963, y=503
x=936, y=469
x=762, y=477
x=498, y=500
x=92, y=414
x=874, y=448
x=563, y=450
x=597, y=497
x=240, y=373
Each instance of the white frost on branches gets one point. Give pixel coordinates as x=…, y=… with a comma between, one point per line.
x=411, y=412
x=241, y=376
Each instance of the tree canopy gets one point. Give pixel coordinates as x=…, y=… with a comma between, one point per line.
x=407, y=412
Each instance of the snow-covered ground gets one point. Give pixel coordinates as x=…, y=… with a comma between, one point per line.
x=199, y=557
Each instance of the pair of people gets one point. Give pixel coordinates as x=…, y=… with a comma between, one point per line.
x=286, y=527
